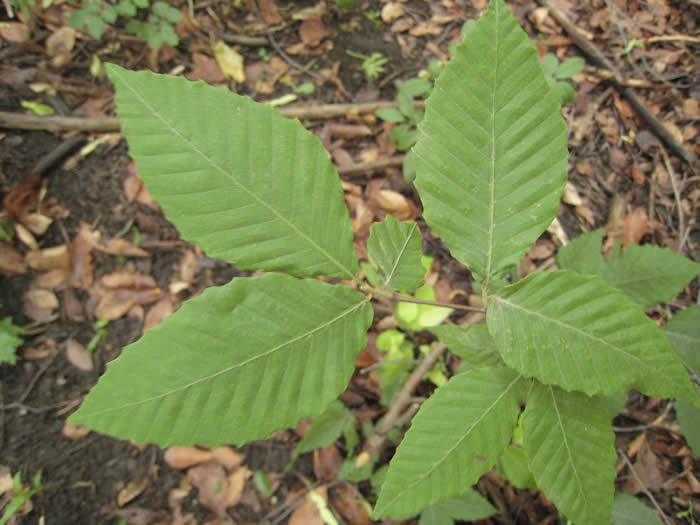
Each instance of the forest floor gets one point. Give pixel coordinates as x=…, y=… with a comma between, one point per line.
x=93, y=261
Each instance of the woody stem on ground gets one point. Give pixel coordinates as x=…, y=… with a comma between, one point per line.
x=402, y=299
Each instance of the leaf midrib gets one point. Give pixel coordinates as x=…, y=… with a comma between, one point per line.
x=401, y=253
x=235, y=366
x=250, y=193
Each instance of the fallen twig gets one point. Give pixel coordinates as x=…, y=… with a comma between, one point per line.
x=14, y=120
x=643, y=486
x=598, y=59
x=376, y=440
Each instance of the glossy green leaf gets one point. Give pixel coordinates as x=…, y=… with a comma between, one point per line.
x=628, y=510
x=647, y=275
x=390, y=115
x=234, y=364
x=474, y=345
x=469, y=506
x=395, y=249
x=684, y=333
x=577, y=332
x=571, y=451
x=491, y=158
x=458, y=434
x=246, y=184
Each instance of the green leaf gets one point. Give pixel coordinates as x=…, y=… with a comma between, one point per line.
x=571, y=451
x=577, y=332
x=417, y=317
x=37, y=108
x=109, y=14
x=390, y=115
x=515, y=467
x=415, y=87
x=569, y=68
x=647, y=275
x=549, y=63
x=95, y=27
x=628, y=510
x=392, y=375
x=458, y=434
x=684, y=333
x=491, y=158
x=395, y=248
x=325, y=429
x=469, y=506
x=474, y=344
x=404, y=136
x=688, y=417
x=10, y=340
x=234, y=364
x=240, y=182
x=409, y=167
x=565, y=91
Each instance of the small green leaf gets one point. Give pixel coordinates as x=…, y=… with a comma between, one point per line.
x=628, y=510
x=415, y=87
x=37, y=108
x=10, y=340
x=305, y=88
x=469, y=506
x=578, y=332
x=688, y=416
x=404, y=136
x=326, y=428
x=405, y=104
x=390, y=115
x=515, y=467
x=109, y=14
x=394, y=248
x=549, y=63
x=684, y=333
x=571, y=451
x=647, y=274
x=95, y=27
x=565, y=91
x=409, y=167
x=417, y=317
x=474, y=344
x=569, y=68
x=458, y=434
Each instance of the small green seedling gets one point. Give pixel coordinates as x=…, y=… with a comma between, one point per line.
x=10, y=340
x=261, y=353
x=373, y=65
x=156, y=30
x=21, y=497
x=558, y=72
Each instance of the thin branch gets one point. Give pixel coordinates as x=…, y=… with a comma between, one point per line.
x=598, y=59
x=646, y=490
x=376, y=440
x=403, y=299
x=677, y=195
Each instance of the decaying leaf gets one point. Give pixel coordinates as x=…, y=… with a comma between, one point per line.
x=132, y=490
x=78, y=356
x=230, y=61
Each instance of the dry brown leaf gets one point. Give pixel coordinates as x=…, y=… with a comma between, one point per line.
x=425, y=28
x=327, y=462
x=394, y=203
x=188, y=266
x=571, y=195
x=227, y=456
x=312, y=32
x=40, y=304
x=348, y=131
x=636, y=226
x=157, y=313
x=348, y=503
x=81, y=274
x=236, y=484
x=78, y=356
x=269, y=12
x=213, y=485
x=184, y=457
x=73, y=431
x=24, y=198
x=50, y=280
x=691, y=109
x=542, y=249
x=14, y=32
x=401, y=25
x=391, y=12
x=61, y=41
x=308, y=512
x=57, y=257
x=122, y=247
x=125, y=279
x=206, y=69
x=5, y=480
x=24, y=235
x=132, y=490
x=11, y=261
x=117, y=302
x=37, y=223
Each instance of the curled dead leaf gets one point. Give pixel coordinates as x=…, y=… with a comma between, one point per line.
x=40, y=304
x=14, y=32
x=227, y=456
x=213, y=485
x=73, y=431
x=636, y=226
x=78, y=356
x=184, y=457
x=312, y=31
x=391, y=12
x=394, y=203
x=230, y=61
x=57, y=257
x=11, y=261
x=132, y=280
x=157, y=313
x=132, y=490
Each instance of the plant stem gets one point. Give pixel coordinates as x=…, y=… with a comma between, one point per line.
x=403, y=299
